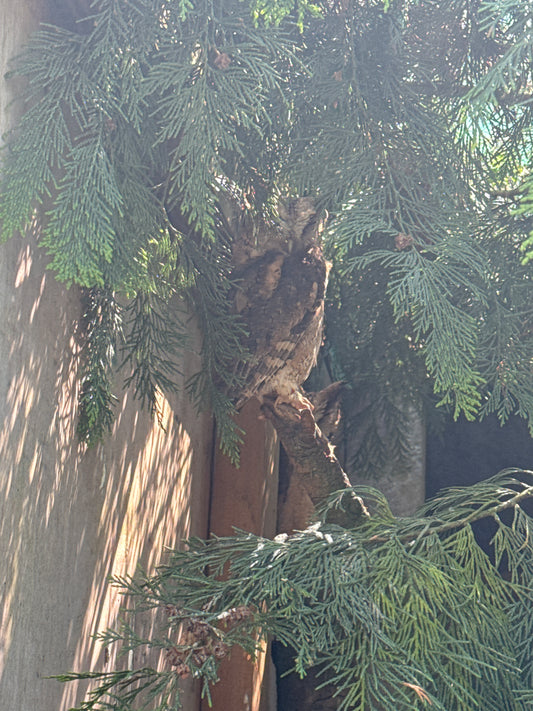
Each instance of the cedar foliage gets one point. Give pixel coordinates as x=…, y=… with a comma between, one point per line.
x=406, y=120
x=410, y=123
x=397, y=614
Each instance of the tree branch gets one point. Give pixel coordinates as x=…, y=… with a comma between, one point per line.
x=508, y=194
x=312, y=454
x=435, y=527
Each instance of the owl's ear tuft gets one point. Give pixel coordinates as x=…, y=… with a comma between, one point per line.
x=300, y=221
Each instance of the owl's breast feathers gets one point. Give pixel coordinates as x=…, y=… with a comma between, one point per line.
x=281, y=300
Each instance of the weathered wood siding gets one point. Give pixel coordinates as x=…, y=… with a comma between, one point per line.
x=70, y=517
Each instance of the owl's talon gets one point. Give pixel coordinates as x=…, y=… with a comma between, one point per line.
x=295, y=405
x=288, y=411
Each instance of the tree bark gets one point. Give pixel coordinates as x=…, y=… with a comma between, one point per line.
x=314, y=459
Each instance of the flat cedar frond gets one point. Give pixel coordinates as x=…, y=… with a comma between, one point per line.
x=101, y=337
x=410, y=123
x=155, y=337
x=391, y=611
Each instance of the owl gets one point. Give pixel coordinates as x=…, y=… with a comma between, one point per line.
x=279, y=295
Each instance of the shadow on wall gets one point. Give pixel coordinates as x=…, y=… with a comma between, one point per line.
x=70, y=517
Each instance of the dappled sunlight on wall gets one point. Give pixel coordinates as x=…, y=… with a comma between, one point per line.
x=69, y=518
x=149, y=512
x=30, y=477
x=145, y=508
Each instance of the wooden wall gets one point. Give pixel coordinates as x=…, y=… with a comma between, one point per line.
x=71, y=517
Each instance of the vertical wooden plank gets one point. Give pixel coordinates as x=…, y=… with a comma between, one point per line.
x=246, y=498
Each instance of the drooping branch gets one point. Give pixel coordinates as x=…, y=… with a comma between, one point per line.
x=312, y=454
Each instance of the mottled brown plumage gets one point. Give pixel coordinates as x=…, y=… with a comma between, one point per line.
x=280, y=297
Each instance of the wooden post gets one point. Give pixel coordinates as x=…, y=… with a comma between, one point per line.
x=246, y=498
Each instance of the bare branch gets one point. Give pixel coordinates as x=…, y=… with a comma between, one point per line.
x=312, y=454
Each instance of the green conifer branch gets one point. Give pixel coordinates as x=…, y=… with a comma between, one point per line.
x=396, y=613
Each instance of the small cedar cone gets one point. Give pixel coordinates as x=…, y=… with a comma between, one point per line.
x=200, y=656
x=198, y=629
x=175, y=659
x=232, y=617
x=182, y=670
x=222, y=60
x=173, y=655
x=402, y=241
x=220, y=650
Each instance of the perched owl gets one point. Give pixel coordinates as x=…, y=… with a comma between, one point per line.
x=279, y=295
